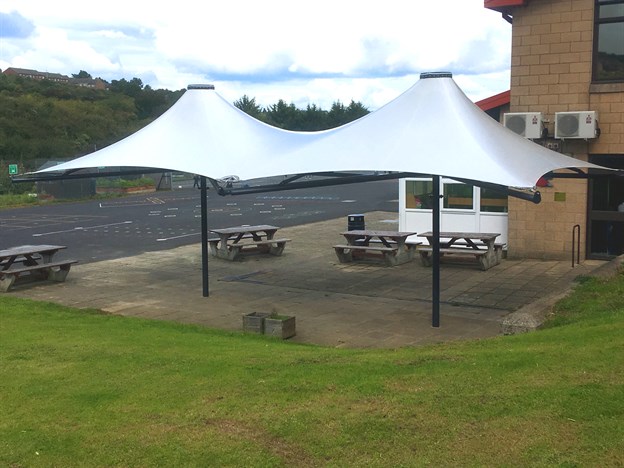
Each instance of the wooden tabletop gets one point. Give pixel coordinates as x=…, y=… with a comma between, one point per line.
x=29, y=249
x=463, y=235
x=243, y=229
x=378, y=233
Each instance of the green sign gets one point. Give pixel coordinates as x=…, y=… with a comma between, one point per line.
x=12, y=169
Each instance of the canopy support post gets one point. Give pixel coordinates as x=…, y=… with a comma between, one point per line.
x=435, y=304
x=204, y=235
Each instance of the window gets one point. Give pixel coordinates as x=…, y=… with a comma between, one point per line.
x=493, y=201
x=609, y=41
x=418, y=194
x=605, y=236
x=458, y=196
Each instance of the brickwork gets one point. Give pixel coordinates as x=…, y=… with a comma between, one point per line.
x=544, y=231
x=551, y=71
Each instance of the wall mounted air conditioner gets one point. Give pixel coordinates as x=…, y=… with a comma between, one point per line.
x=526, y=124
x=582, y=124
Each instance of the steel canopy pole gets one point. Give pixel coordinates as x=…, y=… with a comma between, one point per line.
x=204, y=235
x=435, y=311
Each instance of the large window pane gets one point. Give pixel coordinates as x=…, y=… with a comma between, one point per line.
x=607, y=238
x=418, y=194
x=458, y=196
x=609, y=45
x=611, y=11
x=607, y=193
x=493, y=201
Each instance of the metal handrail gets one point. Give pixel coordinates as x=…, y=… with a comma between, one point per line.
x=576, y=238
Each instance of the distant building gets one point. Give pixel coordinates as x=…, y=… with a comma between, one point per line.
x=36, y=75
x=95, y=83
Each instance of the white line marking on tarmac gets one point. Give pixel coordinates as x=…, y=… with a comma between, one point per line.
x=177, y=237
x=80, y=228
x=156, y=201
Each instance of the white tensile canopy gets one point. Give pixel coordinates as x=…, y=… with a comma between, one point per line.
x=431, y=129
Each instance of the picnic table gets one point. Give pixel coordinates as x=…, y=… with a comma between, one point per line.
x=392, y=246
x=232, y=241
x=33, y=261
x=482, y=246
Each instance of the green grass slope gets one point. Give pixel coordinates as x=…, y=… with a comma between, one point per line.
x=80, y=388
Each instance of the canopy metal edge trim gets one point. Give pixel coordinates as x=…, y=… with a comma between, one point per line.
x=291, y=183
x=72, y=174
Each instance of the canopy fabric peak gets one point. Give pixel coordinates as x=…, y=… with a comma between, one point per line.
x=432, y=128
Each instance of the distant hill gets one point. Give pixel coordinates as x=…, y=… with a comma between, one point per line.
x=55, y=117
x=41, y=119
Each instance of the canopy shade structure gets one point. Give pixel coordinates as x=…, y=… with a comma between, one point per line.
x=432, y=128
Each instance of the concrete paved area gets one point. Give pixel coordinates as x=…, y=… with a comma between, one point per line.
x=362, y=304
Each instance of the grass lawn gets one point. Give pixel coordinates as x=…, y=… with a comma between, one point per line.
x=81, y=388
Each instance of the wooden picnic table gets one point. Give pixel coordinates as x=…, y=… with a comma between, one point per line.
x=480, y=245
x=232, y=241
x=392, y=245
x=35, y=261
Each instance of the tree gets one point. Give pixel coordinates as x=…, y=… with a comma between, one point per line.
x=355, y=111
x=82, y=74
x=130, y=88
x=337, y=114
x=314, y=118
x=249, y=106
x=283, y=115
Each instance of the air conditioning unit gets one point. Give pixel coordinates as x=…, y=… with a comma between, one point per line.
x=526, y=124
x=583, y=124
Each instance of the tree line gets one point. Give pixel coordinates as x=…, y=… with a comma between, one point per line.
x=41, y=120
x=312, y=118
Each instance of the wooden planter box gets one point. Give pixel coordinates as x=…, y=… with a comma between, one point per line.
x=280, y=326
x=254, y=322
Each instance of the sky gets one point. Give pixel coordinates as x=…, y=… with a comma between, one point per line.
x=313, y=53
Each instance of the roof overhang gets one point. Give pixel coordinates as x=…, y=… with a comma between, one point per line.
x=497, y=100
x=503, y=6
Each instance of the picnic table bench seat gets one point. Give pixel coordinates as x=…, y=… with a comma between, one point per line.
x=345, y=252
x=53, y=271
x=482, y=255
x=271, y=246
x=498, y=248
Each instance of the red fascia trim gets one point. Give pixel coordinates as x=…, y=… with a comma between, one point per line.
x=497, y=100
x=502, y=5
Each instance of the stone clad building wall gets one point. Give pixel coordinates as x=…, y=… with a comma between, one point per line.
x=551, y=71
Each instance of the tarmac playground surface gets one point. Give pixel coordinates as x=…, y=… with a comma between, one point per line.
x=357, y=305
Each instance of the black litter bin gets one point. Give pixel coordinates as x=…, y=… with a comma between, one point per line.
x=356, y=222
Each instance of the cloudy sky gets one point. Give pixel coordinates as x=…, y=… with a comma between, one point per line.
x=303, y=52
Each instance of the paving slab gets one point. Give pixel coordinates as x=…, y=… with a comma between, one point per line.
x=360, y=304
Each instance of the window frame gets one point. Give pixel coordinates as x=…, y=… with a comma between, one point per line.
x=597, y=23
